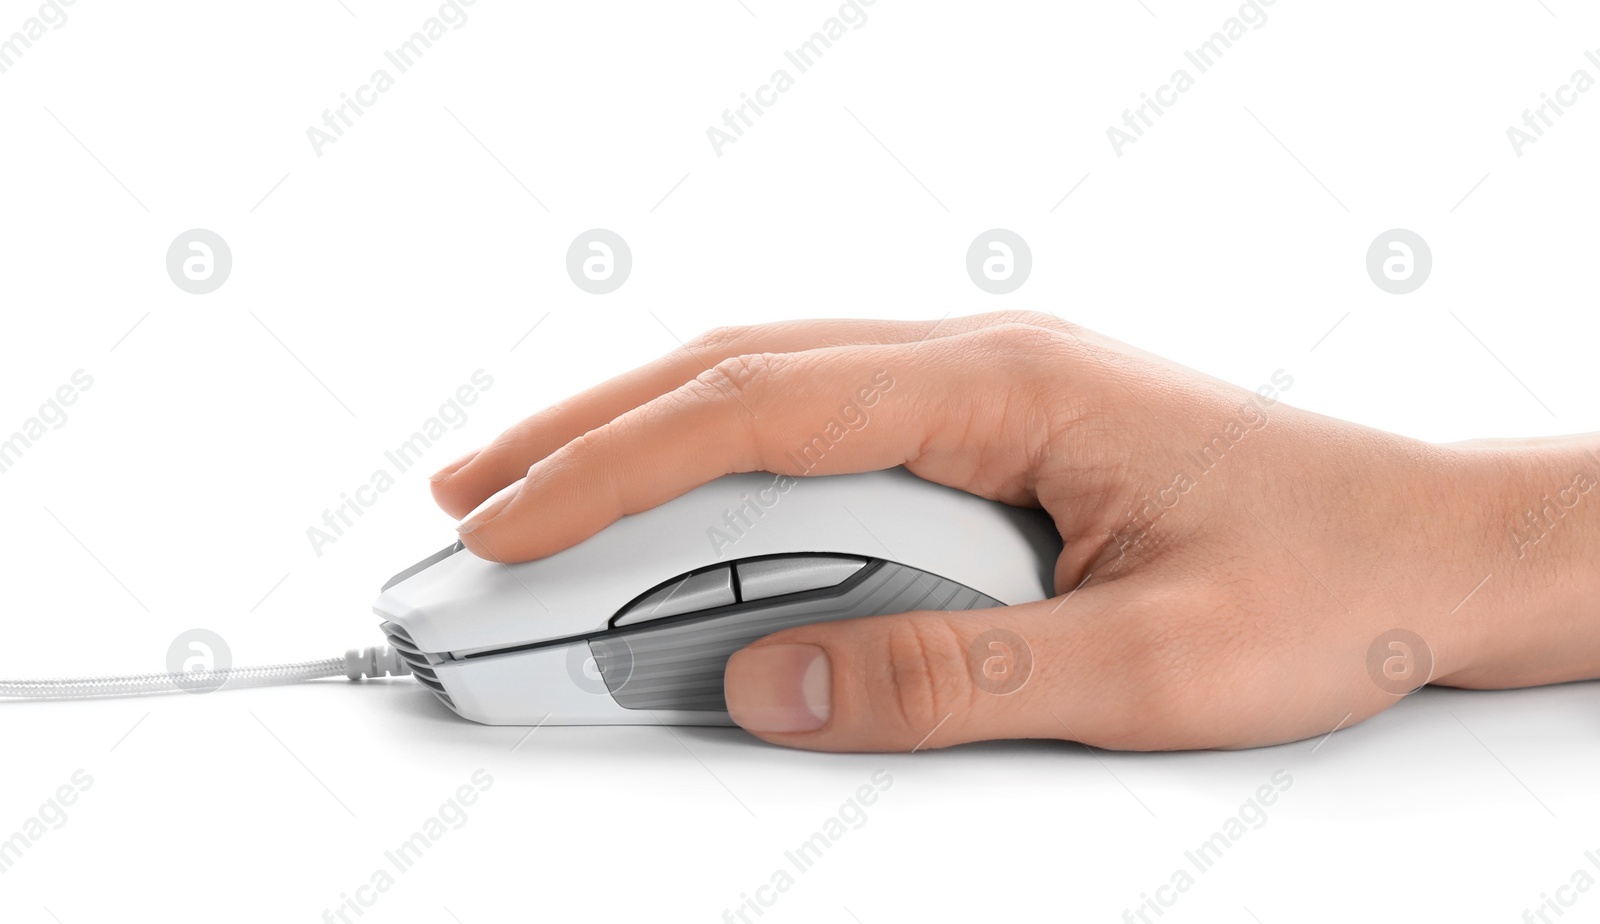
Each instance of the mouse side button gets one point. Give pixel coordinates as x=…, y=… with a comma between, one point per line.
x=788, y=574
x=694, y=592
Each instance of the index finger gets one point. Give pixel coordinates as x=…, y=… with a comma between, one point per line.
x=944, y=408
x=460, y=488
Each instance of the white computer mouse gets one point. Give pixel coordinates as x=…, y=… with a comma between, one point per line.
x=635, y=625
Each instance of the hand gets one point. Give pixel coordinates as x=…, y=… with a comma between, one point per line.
x=1233, y=567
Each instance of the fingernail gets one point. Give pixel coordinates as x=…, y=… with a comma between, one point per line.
x=484, y=514
x=453, y=467
x=780, y=688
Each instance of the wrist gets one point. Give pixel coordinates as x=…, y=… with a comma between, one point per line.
x=1533, y=525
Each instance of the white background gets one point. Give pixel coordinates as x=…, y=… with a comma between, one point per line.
x=373, y=280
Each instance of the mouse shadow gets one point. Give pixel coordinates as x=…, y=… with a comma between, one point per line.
x=417, y=712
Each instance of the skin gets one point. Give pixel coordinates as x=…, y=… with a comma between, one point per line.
x=1251, y=607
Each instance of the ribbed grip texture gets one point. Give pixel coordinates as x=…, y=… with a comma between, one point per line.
x=419, y=662
x=678, y=664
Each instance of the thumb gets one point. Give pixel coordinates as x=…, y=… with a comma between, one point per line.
x=925, y=679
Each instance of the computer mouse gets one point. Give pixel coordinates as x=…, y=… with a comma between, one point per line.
x=635, y=625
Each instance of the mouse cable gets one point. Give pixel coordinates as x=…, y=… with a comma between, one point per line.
x=378, y=661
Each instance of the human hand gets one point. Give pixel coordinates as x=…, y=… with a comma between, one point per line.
x=1234, y=568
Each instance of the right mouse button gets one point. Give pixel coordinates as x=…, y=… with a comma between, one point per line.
x=773, y=577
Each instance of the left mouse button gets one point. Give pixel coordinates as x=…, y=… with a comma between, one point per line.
x=425, y=564
x=699, y=591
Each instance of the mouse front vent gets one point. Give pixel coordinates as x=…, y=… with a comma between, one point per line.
x=421, y=667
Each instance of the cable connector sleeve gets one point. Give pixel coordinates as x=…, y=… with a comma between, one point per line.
x=377, y=661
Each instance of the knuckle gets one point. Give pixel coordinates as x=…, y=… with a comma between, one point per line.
x=580, y=448
x=738, y=378
x=585, y=452
x=1040, y=319
x=927, y=672
x=733, y=390
x=1026, y=342
x=1018, y=358
x=1163, y=680
x=723, y=340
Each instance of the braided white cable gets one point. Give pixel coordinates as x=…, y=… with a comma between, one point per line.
x=378, y=661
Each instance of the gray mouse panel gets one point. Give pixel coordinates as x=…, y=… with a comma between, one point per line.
x=679, y=663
